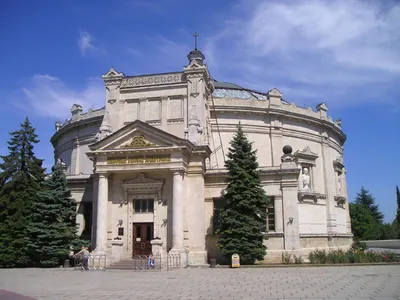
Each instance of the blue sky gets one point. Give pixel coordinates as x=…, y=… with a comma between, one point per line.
x=345, y=53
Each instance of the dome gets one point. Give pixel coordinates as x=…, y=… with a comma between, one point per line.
x=233, y=91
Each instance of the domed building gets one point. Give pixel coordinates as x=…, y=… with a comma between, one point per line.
x=147, y=169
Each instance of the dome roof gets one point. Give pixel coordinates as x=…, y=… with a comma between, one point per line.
x=231, y=90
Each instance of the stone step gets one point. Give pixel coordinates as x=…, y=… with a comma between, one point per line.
x=129, y=264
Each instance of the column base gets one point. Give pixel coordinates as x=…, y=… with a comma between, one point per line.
x=198, y=258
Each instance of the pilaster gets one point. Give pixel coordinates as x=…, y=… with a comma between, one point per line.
x=195, y=211
x=330, y=185
x=278, y=205
x=289, y=185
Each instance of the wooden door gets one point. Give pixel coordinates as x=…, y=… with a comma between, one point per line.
x=142, y=235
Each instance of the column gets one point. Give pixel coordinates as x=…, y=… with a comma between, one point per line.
x=177, y=211
x=94, y=210
x=102, y=202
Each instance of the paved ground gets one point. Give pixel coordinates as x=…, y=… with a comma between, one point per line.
x=372, y=282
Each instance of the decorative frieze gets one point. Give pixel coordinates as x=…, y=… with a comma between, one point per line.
x=152, y=80
x=310, y=197
x=139, y=160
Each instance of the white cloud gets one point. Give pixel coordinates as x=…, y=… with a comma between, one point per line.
x=329, y=46
x=87, y=45
x=50, y=97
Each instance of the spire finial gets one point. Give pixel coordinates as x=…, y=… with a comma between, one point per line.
x=195, y=40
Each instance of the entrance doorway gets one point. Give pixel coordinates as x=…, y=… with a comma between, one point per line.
x=142, y=235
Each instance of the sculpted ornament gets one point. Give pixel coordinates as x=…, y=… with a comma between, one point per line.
x=305, y=179
x=138, y=142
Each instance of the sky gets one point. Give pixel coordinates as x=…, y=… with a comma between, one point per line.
x=344, y=53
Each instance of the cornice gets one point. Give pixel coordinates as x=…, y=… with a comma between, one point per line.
x=72, y=125
x=281, y=112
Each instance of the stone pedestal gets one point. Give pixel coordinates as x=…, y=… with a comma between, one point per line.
x=117, y=252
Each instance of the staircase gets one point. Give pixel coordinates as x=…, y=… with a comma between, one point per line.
x=133, y=264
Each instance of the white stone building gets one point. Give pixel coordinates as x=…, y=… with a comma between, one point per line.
x=147, y=170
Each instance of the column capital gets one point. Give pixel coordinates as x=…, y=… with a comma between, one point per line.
x=178, y=171
x=102, y=174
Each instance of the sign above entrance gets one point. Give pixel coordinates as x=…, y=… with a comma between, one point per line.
x=139, y=160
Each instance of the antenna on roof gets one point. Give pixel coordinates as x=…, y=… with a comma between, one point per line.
x=195, y=40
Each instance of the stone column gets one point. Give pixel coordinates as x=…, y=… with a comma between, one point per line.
x=177, y=211
x=94, y=209
x=289, y=186
x=102, y=202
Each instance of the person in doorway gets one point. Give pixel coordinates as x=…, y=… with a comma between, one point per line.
x=151, y=262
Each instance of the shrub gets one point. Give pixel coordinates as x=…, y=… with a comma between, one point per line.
x=359, y=246
x=317, y=257
x=286, y=258
x=298, y=259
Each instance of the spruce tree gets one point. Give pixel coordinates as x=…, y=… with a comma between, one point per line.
x=366, y=199
x=20, y=178
x=397, y=220
x=52, y=230
x=243, y=219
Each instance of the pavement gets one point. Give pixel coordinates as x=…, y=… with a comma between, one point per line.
x=354, y=282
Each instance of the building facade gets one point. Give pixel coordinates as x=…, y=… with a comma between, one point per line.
x=147, y=169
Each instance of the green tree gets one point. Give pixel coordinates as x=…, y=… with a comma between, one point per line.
x=20, y=179
x=397, y=220
x=53, y=227
x=362, y=222
x=243, y=219
x=366, y=199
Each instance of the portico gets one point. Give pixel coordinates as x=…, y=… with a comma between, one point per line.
x=143, y=177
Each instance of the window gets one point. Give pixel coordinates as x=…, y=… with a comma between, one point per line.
x=144, y=205
x=219, y=204
x=271, y=215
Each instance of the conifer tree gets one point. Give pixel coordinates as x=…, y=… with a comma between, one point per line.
x=366, y=199
x=243, y=219
x=20, y=178
x=397, y=220
x=52, y=230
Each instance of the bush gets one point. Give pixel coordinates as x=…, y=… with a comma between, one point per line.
x=286, y=258
x=298, y=259
x=359, y=246
x=351, y=256
x=317, y=257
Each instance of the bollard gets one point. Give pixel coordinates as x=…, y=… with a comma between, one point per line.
x=66, y=263
x=213, y=262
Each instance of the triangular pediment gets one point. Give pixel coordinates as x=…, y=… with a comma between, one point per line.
x=138, y=135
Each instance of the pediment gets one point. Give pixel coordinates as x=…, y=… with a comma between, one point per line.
x=138, y=135
x=112, y=73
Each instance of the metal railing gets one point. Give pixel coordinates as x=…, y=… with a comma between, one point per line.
x=157, y=262
x=145, y=263
x=90, y=263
